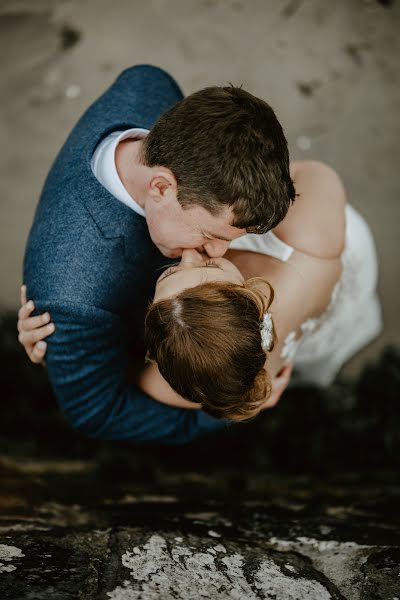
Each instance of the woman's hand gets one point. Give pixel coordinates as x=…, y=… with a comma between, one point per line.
x=279, y=385
x=33, y=330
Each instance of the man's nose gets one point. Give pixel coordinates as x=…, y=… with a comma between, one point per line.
x=216, y=248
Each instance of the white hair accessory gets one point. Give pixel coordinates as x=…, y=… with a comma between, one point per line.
x=266, y=329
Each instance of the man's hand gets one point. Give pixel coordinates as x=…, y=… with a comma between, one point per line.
x=33, y=330
x=279, y=385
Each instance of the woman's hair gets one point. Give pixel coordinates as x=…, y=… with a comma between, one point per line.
x=206, y=341
x=225, y=147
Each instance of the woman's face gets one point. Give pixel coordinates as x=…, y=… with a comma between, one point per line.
x=194, y=269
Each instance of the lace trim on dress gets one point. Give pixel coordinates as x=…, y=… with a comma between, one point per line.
x=293, y=341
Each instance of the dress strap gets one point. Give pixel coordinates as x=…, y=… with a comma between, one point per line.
x=266, y=243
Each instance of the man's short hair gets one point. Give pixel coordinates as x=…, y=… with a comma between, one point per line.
x=225, y=147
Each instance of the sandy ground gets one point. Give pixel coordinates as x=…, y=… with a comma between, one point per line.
x=330, y=70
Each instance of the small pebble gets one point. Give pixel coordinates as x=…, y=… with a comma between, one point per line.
x=303, y=142
x=214, y=533
x=73, y=91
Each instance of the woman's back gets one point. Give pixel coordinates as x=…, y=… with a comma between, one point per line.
x=325, y=309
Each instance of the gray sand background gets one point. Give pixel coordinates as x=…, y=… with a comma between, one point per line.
x=330, y=70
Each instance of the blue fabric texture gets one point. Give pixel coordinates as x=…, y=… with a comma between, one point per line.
x=91, y=263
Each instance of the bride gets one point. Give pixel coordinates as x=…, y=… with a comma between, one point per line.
x=220, y=330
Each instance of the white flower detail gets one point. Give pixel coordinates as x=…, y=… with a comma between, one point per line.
x=266, y=329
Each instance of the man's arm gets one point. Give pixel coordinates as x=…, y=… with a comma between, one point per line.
x=32, y=332
x=87, y=360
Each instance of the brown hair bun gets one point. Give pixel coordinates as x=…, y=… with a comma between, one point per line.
x=206, y=341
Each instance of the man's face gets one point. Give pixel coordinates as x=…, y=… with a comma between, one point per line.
x=174, y=229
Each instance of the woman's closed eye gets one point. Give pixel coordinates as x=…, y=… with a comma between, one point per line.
x=169, y=271
x=175, y=268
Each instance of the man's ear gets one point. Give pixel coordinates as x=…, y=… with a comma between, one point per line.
x=162, y=184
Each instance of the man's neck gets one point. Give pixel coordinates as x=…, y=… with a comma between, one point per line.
x=130, y=169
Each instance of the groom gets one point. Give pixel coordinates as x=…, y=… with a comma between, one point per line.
x=144, y=174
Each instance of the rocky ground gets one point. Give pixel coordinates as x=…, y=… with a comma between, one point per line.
x=300, y=504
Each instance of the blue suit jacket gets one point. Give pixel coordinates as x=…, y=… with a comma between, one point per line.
x=91, y=263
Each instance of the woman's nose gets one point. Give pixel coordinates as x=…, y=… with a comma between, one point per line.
x=191, y=257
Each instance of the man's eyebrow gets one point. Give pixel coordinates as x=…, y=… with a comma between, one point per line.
x=217, y=237
x=194, y=267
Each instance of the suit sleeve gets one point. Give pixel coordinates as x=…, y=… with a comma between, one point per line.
x=139, y=95
x=87, y=361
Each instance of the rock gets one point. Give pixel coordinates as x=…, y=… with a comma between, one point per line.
x=381, y=576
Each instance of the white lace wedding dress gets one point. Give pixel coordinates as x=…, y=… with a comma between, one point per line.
x=353, y=317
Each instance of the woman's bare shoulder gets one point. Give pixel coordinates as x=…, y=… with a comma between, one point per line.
x=303, y=290
x=315, y=223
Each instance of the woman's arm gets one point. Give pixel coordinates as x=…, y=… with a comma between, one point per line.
x=315, y=222
x=153, y=383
